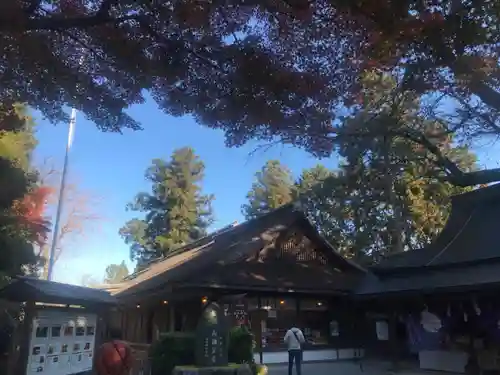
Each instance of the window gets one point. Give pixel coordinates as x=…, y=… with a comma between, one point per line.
x=80, y=331
x=90, y=330
x=68, y=331
x=55, y=331
x=316, y=326
x=253, y=304
x=42, y=332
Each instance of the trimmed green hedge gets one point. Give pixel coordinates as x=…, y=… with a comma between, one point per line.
x=178, y=349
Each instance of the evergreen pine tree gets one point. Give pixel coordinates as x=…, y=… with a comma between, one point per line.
x=273, y=187
x=115, y=273
x=176, y=211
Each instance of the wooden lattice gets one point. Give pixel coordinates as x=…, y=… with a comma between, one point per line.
x=294, y=244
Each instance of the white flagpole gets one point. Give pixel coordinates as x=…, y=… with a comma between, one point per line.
x=60, y=203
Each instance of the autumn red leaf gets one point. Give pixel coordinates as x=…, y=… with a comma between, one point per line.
x=31, y=212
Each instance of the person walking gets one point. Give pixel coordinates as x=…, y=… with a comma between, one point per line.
x=294, y=339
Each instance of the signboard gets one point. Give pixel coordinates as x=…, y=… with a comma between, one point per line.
x=239, y=313
x=334, y=328
x=211, y=337
x=62, y=343
x=382, y=330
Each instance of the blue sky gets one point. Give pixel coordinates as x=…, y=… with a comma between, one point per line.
x=111, y=166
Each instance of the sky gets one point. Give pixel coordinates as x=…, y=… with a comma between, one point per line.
x=110, y=167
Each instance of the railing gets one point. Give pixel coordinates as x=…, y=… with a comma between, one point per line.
x=142, y=363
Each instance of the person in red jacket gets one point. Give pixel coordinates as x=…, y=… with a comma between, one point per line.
x=114, y=357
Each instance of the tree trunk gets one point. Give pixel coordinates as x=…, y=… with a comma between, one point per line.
x=395, y=224
x=45, y=269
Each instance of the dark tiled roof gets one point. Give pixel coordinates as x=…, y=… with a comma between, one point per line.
x=198, y=262
x=30, y=289
x=282, y=274
x=432, y=280
x=471, y=234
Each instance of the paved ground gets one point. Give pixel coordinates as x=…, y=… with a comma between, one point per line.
x=351, y=368
x=332, y=368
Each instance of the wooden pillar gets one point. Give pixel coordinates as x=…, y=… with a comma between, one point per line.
x=19, y=362
x=171, y=318
x=259, y=338
x=103, y=326
x=297, y=312
x=393, y=320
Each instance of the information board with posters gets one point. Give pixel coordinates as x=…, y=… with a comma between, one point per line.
x=62, y=343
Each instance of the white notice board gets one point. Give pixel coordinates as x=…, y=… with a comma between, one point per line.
x=62, y=343
x=382, y=329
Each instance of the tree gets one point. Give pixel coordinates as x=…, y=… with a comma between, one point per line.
x=79, y=215
x=319, y=191
x=22, y=201
x=388, y=194
x=89, y=281
x=254, y=70
x=115, y=273
x=273, y=188
x=177, y=212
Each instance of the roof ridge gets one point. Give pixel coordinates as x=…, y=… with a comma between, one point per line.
x=457, y=234
x=213, y=236
x=479, y=194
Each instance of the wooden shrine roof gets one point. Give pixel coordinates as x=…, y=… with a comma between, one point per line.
x=471, y=234
x=241, y=257
x=432, y=280
x=211, y=261
x=23, y=289
x=287, y=275
x=465, y=254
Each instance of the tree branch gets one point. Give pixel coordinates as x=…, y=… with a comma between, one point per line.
x=63, y=23
x=455, y=175
x=106, y=7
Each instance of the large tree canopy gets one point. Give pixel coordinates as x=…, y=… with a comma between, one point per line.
x=254, y=69
x=388, y=193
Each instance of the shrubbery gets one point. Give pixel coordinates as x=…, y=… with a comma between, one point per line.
x=173, y=349
x=178, y=349
x=241, y=345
